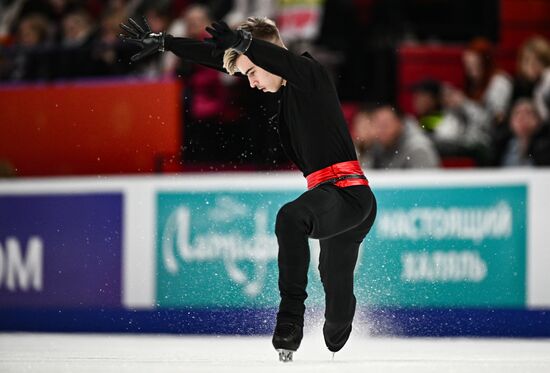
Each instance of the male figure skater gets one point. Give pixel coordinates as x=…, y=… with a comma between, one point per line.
x=338, y=208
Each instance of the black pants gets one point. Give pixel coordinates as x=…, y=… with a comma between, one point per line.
x=340, y=218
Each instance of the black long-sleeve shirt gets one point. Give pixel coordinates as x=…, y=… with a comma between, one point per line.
x=311, y=124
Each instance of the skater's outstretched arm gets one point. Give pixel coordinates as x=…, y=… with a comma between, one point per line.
x=301, y=71
x=189, y=49
x=196, y=51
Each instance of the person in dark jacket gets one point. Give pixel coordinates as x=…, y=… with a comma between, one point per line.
x=530, y=143
x=338, y=208
x=395, y=141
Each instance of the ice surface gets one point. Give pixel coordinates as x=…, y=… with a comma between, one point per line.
x=24, y=352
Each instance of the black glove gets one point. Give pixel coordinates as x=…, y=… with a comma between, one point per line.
x=149, y=42
x=224, y=38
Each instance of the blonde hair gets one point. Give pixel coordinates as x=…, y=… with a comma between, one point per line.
x=261, y=28
x=539, y=46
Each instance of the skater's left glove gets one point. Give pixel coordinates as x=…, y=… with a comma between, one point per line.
x=224, y=38
x=143, y=37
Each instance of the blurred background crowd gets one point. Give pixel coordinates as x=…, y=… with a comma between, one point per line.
x=496, y=116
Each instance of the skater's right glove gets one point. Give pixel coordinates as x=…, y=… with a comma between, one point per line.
x=224, y=38
x=143, y=37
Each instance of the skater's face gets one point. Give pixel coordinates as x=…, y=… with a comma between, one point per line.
x=258, y=77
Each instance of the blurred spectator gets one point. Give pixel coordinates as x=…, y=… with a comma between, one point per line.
x=205, y=136
x=203, y=83
x=33, y=31
x=533, y=74
x=77, y=29
x=530, y=144
x=363, y=134
x=55, y=11
x=74, y=58
x=458, y=126
x=24, y=60
x=9, y=13
x=158, y=17
x=246, y=8
x=426, y=100
x=109, y=53
x=61, y=7
x=465, y=129
x=531, y=82
x=386, y=140
x=484, y=83
x=299, y=22
x=190, y=24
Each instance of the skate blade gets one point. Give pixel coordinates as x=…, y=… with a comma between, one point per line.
x=285, y=355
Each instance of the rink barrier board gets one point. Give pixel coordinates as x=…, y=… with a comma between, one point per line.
x=141, y=257
x=74, y=130
x=379, y=322
x=61, y=250
x=430, y=247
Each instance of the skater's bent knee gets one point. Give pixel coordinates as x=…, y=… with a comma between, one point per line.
x=291, y=217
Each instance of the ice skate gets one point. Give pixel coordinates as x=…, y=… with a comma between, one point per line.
x=286, y=340
x=285, y=355
x=336, y=335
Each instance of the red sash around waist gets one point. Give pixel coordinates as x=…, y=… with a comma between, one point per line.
x=341, y=174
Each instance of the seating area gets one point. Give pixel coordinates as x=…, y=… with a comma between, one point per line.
x=144, y=133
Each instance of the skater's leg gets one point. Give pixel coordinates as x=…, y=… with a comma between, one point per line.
x=321, y=213
x=337, y=262
x=293, y=260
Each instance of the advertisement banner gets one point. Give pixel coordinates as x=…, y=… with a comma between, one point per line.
x=60, y=250
x=430, y=247
x=219, y=249
x=447, y=247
